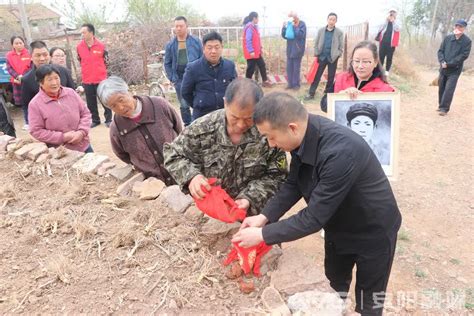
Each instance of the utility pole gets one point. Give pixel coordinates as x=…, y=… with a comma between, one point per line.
x=24, y=22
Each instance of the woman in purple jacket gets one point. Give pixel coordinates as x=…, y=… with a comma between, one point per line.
x=140, y=127
x=57, y=115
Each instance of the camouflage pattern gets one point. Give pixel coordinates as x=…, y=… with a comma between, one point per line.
x=250, y=170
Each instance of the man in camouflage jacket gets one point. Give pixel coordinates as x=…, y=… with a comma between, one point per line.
x=226, y=145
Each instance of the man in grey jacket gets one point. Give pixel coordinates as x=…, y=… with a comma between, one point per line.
x=328, y=46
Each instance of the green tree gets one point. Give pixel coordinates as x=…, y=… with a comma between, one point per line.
x=78, y=13
x=147, y=12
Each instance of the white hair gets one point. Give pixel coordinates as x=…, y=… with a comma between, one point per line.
x=109, y=87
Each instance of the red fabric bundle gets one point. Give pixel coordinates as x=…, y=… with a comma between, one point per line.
x=219, y=205
x=249, y=258
x=312, y=71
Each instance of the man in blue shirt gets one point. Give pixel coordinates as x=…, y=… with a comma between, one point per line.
x=328, y=47
x=206, y=79
x=181, y=50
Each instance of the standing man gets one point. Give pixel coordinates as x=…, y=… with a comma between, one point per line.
x=30, y=87
x=93, y=58
x=347, y=194
x=388, y=37
x=454, y=50
x=328, y=47
x=253, y=50
x=206, y=79
x=181, y=50
x=295, y=47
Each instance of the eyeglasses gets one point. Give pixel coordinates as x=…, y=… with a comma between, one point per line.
x=365, y=63
x=59, y=56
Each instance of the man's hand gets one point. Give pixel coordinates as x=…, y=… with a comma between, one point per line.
x=352, y=92
x=254, y=221
x=195, y=186
x=248, y=237
x=444, y=64
x=243, y=204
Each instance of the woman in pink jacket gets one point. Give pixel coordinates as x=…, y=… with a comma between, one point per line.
x=57, y=115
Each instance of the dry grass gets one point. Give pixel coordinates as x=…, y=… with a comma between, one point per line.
x=59, y=267
x=404, y=65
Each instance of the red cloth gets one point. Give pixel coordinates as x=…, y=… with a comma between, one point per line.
x=257, y=46
x=92, y=62
x=249, y=258
x=219, y=205
x=21, y=63
x=312, y=71
x=346, y=80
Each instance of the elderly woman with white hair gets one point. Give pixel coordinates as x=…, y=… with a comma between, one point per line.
x=140, y=127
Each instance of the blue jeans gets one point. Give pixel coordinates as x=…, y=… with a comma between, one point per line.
x=183, y=105
x=25, y=113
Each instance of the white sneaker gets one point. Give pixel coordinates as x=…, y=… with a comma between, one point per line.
x=386, y=73
x=322, y=233
x=26, y=127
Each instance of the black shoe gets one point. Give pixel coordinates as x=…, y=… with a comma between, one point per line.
x=309, y=97
x=438, y=110
x=442, y=113
x=95, y=124
x=288, y=88
x=107, y=124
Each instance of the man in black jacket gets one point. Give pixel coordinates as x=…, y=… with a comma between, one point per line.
x=347, y=194
x=29, y=87
x=454, y=50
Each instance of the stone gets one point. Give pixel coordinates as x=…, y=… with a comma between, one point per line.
x=297, y=272
x=193, y=213
x=67, y=158
x=270, y=260
x=42, y=158
x=216, y=228
x=125, y=188
x=121, y=173
x=90, y=163
x=41, y=148
x=274, y=303
x=176, y=199
x=14, y=144
x=316, y=303
x=149, y=189
x=102, y=171
x=4, y=140
x=22, y=152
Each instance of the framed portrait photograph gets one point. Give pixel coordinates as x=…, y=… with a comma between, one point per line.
x=375, y=116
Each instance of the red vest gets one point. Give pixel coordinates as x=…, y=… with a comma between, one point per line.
x=92, y=62
x=346, y=80
x=257, y=47
x=20, y=63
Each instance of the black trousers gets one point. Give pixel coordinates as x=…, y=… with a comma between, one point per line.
x=91, y=99
x=373, y=271
x=252, y=63
x=317, y=78
x=386, y=51
x=447, y=85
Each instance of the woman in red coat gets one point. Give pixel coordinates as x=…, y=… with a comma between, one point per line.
x=18, y=63
x=365, y=74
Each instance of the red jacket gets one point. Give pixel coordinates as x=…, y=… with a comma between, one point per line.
x=346, y=80
x=251, y=29
x=92, y=61
x=19, y=63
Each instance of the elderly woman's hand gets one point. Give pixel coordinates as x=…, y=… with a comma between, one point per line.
x=353, y=92
x=77, y=137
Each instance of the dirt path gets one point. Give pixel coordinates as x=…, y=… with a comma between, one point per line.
x=434, y=257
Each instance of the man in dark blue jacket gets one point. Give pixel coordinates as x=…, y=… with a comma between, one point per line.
x=295, y=47
x=454, y=50
x=347, y=194
x=181, y=50
x=206, y=79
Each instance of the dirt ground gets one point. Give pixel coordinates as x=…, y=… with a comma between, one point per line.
x=69, y=245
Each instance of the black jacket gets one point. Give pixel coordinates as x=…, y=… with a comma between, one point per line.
x=29, y=86
x=203, y=85
x=454, y=52
x=346, y=190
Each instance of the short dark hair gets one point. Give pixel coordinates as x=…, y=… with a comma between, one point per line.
x=373, y=48
x=14, y=37
x=212, y=36
x=332, y=14
x=181, y=18
x=52, y=50
x=90, y=27
x=37, y=45
x=244, y=92
x=45, y=70
x=279, y=109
